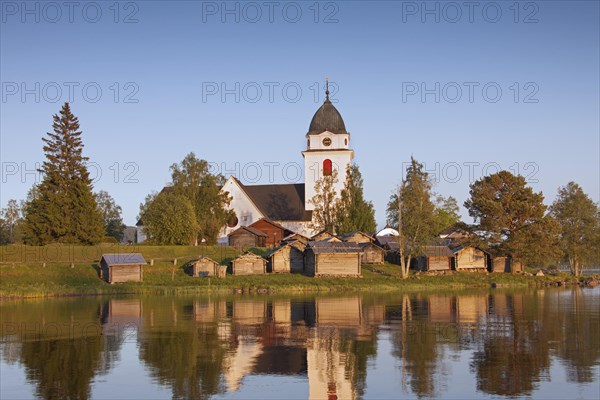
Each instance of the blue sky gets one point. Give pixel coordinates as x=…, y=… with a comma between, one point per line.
x=464, y=90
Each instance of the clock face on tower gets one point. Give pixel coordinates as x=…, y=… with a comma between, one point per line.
x=327, y=142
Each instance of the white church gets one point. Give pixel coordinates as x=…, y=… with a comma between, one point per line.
x=327, y=148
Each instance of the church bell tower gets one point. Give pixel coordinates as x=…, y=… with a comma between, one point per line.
x=327, y=149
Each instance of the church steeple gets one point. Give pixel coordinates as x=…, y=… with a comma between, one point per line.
x=327, y=117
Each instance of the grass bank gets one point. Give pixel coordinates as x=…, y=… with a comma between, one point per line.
x=74, y=272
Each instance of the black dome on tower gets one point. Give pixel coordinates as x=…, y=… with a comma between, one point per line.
x=327, y=118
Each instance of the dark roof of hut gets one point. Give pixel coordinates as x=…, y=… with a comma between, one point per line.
x=123, y=259
x=328, y=247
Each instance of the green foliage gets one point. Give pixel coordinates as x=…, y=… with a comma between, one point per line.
x=11, y=223
x=169, y=219
x=63, y=208
x=446, y=212
x=419, y=219
x=193, y=180
x=353, y=212
x=579, y=226
x=111, y=215
x=325, y=203
x=510, y=218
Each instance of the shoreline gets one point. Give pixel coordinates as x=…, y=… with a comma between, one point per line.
x=62, y=281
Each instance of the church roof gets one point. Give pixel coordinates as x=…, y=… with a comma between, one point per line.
x=279, y=202
x=327, y=118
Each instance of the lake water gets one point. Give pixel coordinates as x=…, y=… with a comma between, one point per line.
x=474, y=344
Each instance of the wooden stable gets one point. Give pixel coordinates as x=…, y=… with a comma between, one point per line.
x=469, y=258
x=275, y=232
x=205, y=266
x=246, y=236
x=372, y=254
x=285, y=259
x=357, y=237
x=436, y=258
x=249, y=264
x=326, y=258
x=119, y=268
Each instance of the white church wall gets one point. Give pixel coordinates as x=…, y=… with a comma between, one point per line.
x=245, y=210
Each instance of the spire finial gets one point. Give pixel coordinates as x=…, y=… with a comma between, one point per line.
x=326, y=88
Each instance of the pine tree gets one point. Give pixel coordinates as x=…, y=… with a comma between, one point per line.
x=353, y=212
x=511, y=218
x=64, y=209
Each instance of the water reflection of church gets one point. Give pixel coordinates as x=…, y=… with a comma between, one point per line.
x=326, y=340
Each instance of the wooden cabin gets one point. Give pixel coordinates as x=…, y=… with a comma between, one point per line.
x=296, y=237
x=205, y=266
x=125, y=267
x=357, y=237
x=499, y=264
x=436, y=258
x=275, y=232
x=285, y=259
x=247, y=236
x=323, y=235
x=371, y=253
x=469, y=258
x=331, y=258
x=249, y=264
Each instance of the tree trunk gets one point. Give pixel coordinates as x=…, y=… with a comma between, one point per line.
x=404, y=268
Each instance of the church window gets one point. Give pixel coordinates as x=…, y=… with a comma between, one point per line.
x=327, y=168
x=346, y=142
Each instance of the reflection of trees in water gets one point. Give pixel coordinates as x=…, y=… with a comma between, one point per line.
x=186, y=356
x=186, y=344
x=61, y=346
x=417, y=350
x=62, y=369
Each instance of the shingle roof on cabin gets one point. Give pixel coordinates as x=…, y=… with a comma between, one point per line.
x=437, y=251
x=350, y=234
x=123, y=259
x=253, y=231
x=328, y=247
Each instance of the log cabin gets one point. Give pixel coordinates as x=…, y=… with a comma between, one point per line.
x=357, y=237
x=435, y=258
x=296, y=237
x=332, y=258
x=274, y=231
x=125, y=267
x=322, y=236
x=205, y=266
x=286, y=258
x=246, y=236
x=469, y=258
x=248, y=264
x=371, y=253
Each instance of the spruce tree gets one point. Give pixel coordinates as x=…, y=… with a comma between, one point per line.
x=354, y=213
x=64, y=209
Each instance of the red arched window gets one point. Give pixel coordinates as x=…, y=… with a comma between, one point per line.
x=327, y=167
